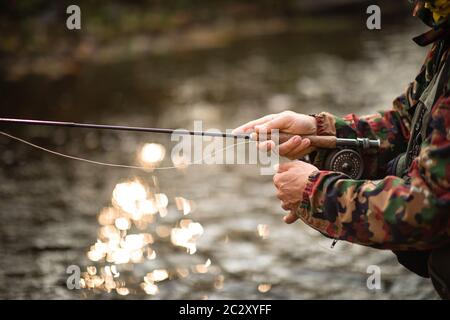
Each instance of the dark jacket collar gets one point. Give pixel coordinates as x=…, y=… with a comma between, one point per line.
x=440, y=30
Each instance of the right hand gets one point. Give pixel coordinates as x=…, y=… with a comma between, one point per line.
x=287, y=122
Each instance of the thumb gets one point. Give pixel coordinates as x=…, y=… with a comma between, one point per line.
x=288, y=165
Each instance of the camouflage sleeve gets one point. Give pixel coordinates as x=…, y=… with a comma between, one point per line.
x=391, y=127
x=391, y=213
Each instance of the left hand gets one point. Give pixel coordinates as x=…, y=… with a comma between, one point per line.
x=290, y=182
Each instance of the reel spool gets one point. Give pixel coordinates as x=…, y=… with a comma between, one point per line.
x=344, y=156
x=347, y=161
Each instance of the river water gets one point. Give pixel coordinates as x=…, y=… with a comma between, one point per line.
x=49, y=205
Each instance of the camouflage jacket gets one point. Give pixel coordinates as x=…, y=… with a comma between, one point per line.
x=386, y=211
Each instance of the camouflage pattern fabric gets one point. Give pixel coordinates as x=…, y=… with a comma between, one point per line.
x=385, y=211
x=433, y=13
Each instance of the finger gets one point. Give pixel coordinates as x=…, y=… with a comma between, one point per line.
x=306, y=151
x=279, y=123
x=283, y=167
x=266, y=146
x=298, y=151
x=292, y=144
x=278, y=178
x=280, y=196
x=286, y=206
x=290, y=218
x=276, y=182
x=275, y=167
x=250, y=126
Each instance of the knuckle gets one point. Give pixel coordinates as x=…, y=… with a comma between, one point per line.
x=287, y=113
x=276, y=179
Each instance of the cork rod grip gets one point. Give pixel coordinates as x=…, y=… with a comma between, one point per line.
x=322, y=142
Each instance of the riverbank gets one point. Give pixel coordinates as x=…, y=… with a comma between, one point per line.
x=35, y=40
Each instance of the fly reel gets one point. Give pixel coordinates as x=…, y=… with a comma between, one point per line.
x=346, y=157
x=347, y=161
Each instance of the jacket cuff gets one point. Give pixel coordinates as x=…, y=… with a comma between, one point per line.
x=305, y=204
x=325, y=123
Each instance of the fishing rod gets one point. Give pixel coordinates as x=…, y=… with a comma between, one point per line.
x=325, y=142
x=121, y=128
x=344, y=155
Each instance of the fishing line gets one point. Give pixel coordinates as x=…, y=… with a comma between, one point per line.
x=114, y=165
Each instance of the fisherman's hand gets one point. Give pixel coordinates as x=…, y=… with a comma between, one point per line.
x=287, y=122
x=290, y=181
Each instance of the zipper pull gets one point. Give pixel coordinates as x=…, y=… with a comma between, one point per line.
x=334, y=243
